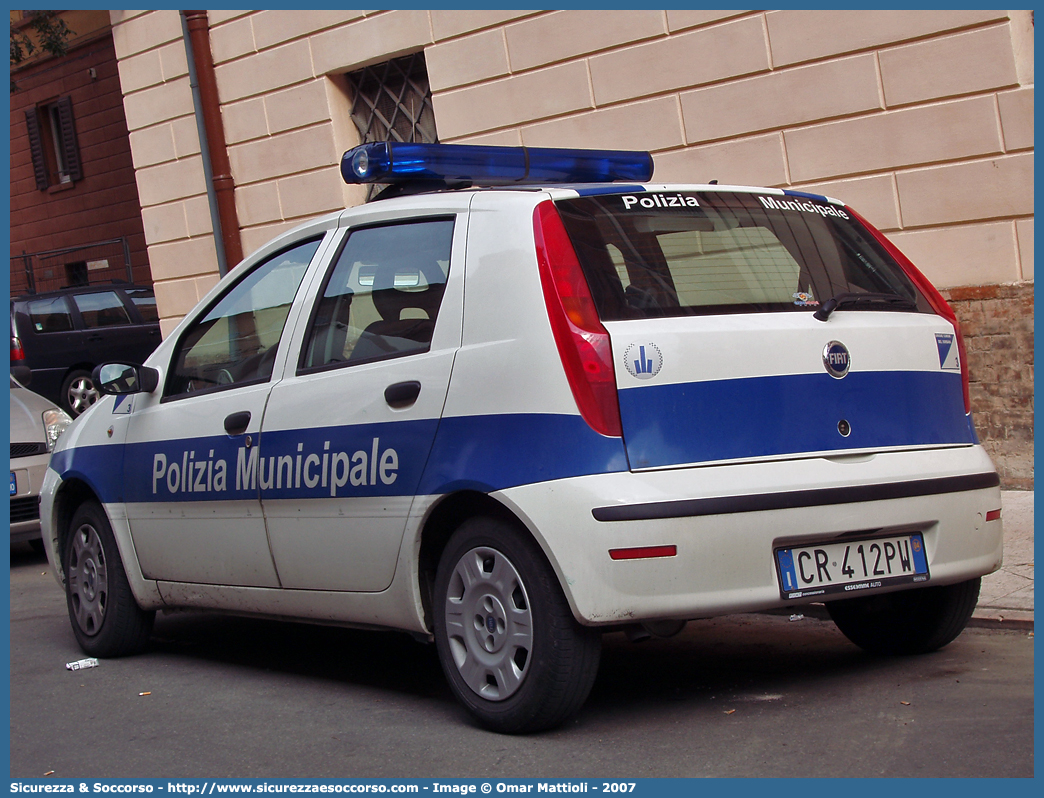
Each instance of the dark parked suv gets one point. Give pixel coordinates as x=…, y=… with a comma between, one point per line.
x=62, y=335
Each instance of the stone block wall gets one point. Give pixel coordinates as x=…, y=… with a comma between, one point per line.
x=920, y=119
x=168, y=160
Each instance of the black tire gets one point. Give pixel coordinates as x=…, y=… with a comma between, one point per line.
x=106, y=619
x=78, y=392
x=909, y=621
x=510, y=648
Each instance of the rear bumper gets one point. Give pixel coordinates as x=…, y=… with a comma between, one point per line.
x=22, y=531
x=725, y=522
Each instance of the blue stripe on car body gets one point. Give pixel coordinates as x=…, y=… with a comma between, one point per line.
x=687, y=423
x=484, y=453
x=700, y=422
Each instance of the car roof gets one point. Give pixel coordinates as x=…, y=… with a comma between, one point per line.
x=565, y=190
x=84, y=289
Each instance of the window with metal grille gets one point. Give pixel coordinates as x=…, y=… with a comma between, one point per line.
x=391, y=101
x=52, y=143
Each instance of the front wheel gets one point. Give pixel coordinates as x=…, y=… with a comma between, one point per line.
x=510, y=648
x=909, y=621
x=106, y=620
x=78, y=392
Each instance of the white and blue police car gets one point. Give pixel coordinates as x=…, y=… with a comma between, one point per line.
x=524, y=397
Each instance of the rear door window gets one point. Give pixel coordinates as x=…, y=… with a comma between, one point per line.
x=382, y=296
x=101, y=309
x=655, y=255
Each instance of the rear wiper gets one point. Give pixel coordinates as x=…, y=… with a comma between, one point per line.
x=864, y=302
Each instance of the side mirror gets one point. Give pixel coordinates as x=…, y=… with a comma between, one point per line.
x=121, y=378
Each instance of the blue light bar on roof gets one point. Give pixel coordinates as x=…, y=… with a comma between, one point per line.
x=397, y=162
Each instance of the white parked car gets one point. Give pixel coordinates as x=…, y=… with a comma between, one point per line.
x=36, y=425
x=511, y=418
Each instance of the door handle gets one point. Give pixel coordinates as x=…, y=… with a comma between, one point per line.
x=402, y=394
x=236, y=423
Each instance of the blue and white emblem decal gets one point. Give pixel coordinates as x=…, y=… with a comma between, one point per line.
x=643, y=361
x=948, y=353
x=123, y=405
x=836, y=359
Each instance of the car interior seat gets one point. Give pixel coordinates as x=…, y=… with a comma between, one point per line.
x=394, y=331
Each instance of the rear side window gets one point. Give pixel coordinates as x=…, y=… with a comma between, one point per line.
x=49, y=315
x=103, y=309
x=382, y=296
x=145, y=301
x=676, y=254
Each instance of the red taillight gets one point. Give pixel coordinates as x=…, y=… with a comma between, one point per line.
x=583, y=343
x=17, y=353
x=993, y=515
x=935, y=299
x=643, y=552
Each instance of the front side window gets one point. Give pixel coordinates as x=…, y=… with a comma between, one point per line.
x=101, y=309
x=382, y=296
x=676, y=254
x=237, y=339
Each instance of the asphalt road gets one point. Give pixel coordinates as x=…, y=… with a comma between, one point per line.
x=737, y=696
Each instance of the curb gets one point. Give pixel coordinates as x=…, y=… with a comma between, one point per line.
x=988, y=618
x=983, y=618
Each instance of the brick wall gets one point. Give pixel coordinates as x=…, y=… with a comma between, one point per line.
x=104, y=204
x=997, y=322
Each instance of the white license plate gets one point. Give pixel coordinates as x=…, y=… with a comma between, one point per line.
x=851, y=566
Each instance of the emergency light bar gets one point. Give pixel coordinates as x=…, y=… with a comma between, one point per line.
x=398, y=162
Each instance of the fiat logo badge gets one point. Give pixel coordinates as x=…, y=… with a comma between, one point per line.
x=836, y=359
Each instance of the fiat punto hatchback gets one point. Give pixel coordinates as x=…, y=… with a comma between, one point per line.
x=525, y=397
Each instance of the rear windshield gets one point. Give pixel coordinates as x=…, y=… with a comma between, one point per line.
x=655, y=254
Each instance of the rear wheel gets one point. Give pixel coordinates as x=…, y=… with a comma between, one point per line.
x=512, y=652
x=78, y=392
x=106, y=619
x=909, y=621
